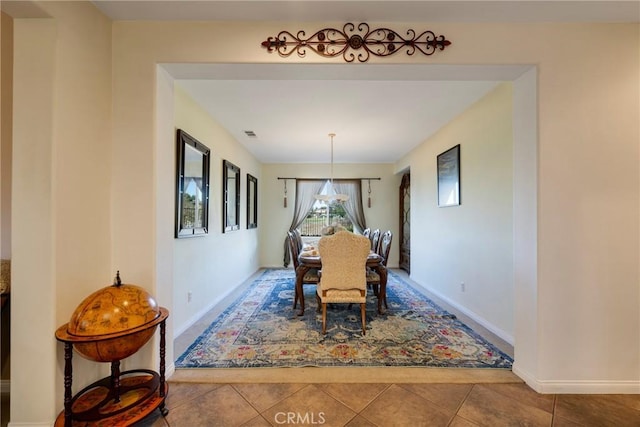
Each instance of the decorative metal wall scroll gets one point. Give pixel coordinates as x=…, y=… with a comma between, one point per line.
x=331, y=42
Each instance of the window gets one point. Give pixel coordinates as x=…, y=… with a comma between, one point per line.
x=323, y=214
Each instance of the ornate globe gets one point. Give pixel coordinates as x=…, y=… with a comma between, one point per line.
x=113, y=322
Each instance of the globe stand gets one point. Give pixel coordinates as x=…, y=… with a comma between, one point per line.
x=123, y=398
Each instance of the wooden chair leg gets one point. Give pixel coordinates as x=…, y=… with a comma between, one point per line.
x=324, y=318
x=318, y=303
x=363, y=313
x=295, y=298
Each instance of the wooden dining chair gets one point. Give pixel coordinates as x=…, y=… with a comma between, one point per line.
x=375, y=239
x=311, y=277
x=298, y=238
x=373, y=278
x=384, y=248
x=343, y=276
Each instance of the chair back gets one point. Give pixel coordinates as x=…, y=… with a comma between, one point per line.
x=344, y=259
x=375, y=240
x=294, y=250
x=298, y=239
x=366, y=232
x=385, y=246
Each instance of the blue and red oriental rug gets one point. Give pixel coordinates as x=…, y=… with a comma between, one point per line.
x=261, y=329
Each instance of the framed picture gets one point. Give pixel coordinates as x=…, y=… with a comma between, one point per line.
x=231, y=196
x=449, y=177
x=252, y=201
x=192, y=187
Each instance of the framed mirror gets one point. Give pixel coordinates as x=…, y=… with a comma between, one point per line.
x=252, y=201
x=231, y=196
x=192, y=187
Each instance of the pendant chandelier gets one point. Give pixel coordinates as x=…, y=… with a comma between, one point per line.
x=331, y=195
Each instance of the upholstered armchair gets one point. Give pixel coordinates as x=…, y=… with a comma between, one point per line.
x=343, y=276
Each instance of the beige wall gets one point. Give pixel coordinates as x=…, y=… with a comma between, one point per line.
x=275, y=219
x=471, y=243
x=586, y=331
x=61, y=209
x=210, y=267
x=576, y=106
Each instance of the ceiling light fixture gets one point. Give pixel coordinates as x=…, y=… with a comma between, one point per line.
x=331, y=195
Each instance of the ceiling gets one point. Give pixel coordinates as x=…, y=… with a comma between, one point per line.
x=375, y=11
x=378, y=112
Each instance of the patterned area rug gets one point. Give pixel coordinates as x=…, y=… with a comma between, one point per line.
x=261, y=329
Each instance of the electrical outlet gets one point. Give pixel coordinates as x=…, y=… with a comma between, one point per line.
x=463, y=287
x=189, y=296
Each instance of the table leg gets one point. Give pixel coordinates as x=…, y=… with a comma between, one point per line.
x=382, y=293
x=299, y=295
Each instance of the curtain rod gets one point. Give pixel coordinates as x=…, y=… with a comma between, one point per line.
x=324, y=179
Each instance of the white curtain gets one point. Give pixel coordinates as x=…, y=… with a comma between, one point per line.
x=353, y=206
x=306, y=189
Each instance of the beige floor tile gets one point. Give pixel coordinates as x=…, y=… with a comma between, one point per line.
x=563, y=422
x=397, y=406
x=360, y=421
x=264, y=396
x=486, y=407
x=525, y=394
x=221, y=407
x=630, y=400
x=181, y=393
x=597, y=410
x=461, y=422
x=448, y=397
x=308, y=406
x=355, y=396
x=258, y=421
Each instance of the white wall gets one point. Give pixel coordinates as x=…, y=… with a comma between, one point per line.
x=578, y=117
x=470, y=243
x=61, y=204
x=211, y=266
x=274, y=219
x=587, y=329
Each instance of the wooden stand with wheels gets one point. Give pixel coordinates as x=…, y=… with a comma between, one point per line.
x=121, y=399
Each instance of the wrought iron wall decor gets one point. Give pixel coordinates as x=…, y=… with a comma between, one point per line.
x=331, y=42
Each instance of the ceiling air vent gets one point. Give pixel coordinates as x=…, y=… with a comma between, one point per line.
x=250, y=133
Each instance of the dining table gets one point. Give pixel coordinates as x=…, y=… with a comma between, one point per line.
x=308, y=261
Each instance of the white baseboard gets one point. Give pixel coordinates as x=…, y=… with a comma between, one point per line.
x=224, y=299
x=577, y=386
x=197, y=316
x=5, y=386
x=473, y=316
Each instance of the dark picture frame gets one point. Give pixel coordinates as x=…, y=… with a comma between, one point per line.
x=252, y=201
x=192, y=186
x=230, y=196
x=449, y=177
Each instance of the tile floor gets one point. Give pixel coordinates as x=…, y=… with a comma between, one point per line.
x=402, y=397
x=388, y=405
